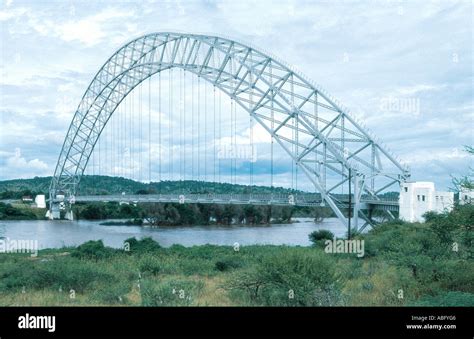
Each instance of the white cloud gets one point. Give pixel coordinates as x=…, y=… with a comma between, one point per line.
x=390, y=54
x=412, y=90
x=17, y=165
x=443, y=155
x=8, y=14
x=91, y=30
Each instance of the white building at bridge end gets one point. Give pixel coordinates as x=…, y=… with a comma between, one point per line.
x=419, y=197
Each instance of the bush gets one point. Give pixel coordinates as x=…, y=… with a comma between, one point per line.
x=144, y=245
x=318, y=237
x=291, y=278
x=92, y=250
x=114, y=294
x=149, y=264
x=65, y=273
x=170, y=293
x=455, y=225
x=227, y=264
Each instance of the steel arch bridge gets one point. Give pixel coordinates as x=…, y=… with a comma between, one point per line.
x=319, y=136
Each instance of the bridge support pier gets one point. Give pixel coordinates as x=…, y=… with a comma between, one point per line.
x=69, y=215
x=357, y=191
x=59, y=206
x=54, y=211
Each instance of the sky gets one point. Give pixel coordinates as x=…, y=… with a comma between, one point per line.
x=404, y=68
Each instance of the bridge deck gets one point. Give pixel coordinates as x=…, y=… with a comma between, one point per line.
x=308, y=200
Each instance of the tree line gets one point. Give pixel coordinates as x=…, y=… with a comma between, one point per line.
x=172, y=214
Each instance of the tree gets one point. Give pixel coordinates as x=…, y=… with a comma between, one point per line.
x=218, y=213
x=205, y=212
x=266, y=213
x=91, y=212
x=466, y=181
x=283, y=214
x=129, y=211
x=190, y=214
x=253, y=215
x=228, y=214
x=318, y=237
x=320, y=213
x=172, y=215
x=153, y=213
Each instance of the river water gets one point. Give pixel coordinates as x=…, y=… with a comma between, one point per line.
x=56, y=234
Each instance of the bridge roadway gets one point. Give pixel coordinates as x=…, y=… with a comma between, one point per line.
x=308, y=200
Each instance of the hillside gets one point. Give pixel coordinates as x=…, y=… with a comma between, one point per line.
x=95, y=184
x=104, y=185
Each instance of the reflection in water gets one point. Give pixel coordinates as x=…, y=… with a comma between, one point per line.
x=56, y=234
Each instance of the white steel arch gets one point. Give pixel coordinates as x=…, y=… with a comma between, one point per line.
x=327, y=140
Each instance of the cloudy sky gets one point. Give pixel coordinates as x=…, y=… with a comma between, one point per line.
x=405, y=68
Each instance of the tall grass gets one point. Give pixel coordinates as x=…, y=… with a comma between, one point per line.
x=405, y=264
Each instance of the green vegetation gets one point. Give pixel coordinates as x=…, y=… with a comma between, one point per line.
x=20, y=212
x=319, y=237
x=157, y=214
x=104, y=185
x=426, y=264
x=466, y=181
x=92, y=250
x=17, y=188
x=173, y=214
x=131, y=222
x=447, y=299
x=291, y=277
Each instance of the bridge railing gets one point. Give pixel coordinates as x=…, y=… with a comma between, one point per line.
x=305, y=199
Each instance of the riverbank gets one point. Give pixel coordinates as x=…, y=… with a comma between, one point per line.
x=19, y=211
x=172, y=214
x=403, y=264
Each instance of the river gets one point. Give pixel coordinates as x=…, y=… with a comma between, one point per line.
x=56, y=234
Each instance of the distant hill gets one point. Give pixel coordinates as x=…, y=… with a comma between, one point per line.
x=16, y=188
x=104, y=185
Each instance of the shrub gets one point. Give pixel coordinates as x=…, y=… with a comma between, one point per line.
x=149, y=264
x=65, y=273
x=291, y=278
x=227, y=263
x=448, y=225
x=114, y=294
x=144, y=245
x=92, y=250
x=188, y=266
x=318, y=237
x=170, y=293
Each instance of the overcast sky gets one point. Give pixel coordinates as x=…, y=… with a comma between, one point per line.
x=405, y=68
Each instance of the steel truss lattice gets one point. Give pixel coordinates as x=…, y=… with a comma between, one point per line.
x=319, y=136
